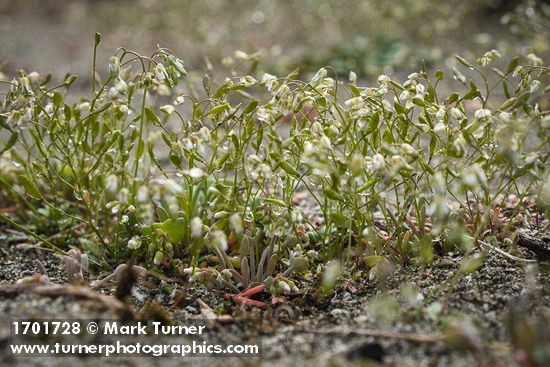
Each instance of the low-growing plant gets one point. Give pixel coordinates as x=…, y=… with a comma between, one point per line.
x=160, y=172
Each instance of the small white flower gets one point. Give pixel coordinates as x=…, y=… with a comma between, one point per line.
x=121, y=86
x=33, y=77
x=352, y=78
x=248, y=81
x=218, y=240
x=440, y=128
x=142, y=194
x=319, y=76
x=482, y=113
x=535, y=84
x=236, y=223
x=378, y=162
x=196, y=227
x=268, y=77
x=241, y=55
x=124, y=219
x=179, y=100
x=440, y=114
x=195, y=173
x=409, y=150
x=160, y=72
x=457, y=114
x=167, y=109
x=84, y=106
x=383, y=79
x=354, y=102
x=533, y=59
x=134, y=242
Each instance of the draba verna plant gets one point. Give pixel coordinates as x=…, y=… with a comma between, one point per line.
x=150, y=168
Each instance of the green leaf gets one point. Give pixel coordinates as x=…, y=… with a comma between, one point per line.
x=463, y=61
x=162, y=214
x=512, y=65
x=426, y=250
x=152, y=116
x=366, y=186
x=219, y=109
x=340, y=220
x=471, y=95
x=419, y=102
x=11, y=142
x=433, y=142
x=288, y=168
x=57, y=99
x=471, y=263
x=207, y=83
x=250, y=107
x=175, y=229
x=332, y=194
x=507, y=104
x=276, y=202
x=453, y=98
x=141, y=149
x=30, y=187
x=372, y=261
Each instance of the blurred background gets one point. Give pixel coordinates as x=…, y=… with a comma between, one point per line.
x=369, y=37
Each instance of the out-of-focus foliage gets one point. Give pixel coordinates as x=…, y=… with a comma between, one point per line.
x=368, y=37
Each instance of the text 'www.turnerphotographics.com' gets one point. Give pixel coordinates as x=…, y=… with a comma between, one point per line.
x=195, y=338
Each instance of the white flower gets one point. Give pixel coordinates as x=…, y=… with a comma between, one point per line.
x=482, y=113
x=533, y=59
x=413, y=76
x=33, y=77
x=121, y=86
x=248, y=81
x=352, y=78
x=378, y=162
x=218, y=240
x=179, y=100
x=535, y=84
x=167, y=109
x=195, y=173
x=134, y=242
x=355, y=102
x=160, y=72
x=282, y=92
x=142, y=194
x=488, y=57
x=440, y=114
x=196, y=227
x=111, y=183
x=241, y=55
x=457, y=114
x=83, y=106
x=266, y=78
x=440, y=128
x=114, y=66
x=318, y=77
x=409, y=150
x=383, y=79
x=236, y=223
